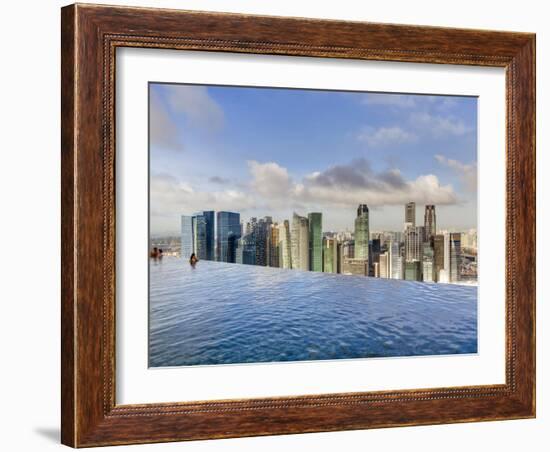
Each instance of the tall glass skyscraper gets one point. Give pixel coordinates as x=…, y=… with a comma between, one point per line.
x=228, y=230
x=299, y=239
x=414, y=238
x=315, y=241
x=439, y=255
x=429, y=223
x=209, y=236
x=187, y=247
x=455, y=256
x=246, y=250
x=285, y=255
x=330, y=255
x=410, y=213
x=361, y=249
x=199, y=236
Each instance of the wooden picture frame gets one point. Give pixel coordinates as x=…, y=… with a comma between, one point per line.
x=90, y=36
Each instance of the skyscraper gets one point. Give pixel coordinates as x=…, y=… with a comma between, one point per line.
x=330, y=255
x=299, y=239
x=439, y=255
x=413, y=271
x=428, y=263
x=261, y=230
x=246, y=250
x=361, y=249
x=455, y=256
x=285, y=255
x=274, y=248
x=315, y=220
x=410, y=213
x=429, y=223
x=228, y=233
x=414, y=237
x=445, y=272
x=199, y=236
x=395, y=260
x=384, y=265
x=210, y=235
x=186, y=236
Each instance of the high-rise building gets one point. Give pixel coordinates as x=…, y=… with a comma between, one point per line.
x=285, y=255
x=299, y=239
x=315, y=220
x=199, y=236
x=410, y=213
x=428, y=263
x=439, y=255
x=445, y=272
x=352, y=266
x=261, y=229
x=246, y=250
x=187, y=245
x=274, y=246
x=361, y=249
x=429, y=222
x=374, y=253
x=228, y=230
x=384, y=265
x=330, y=255
x=455, y=256
x=413, y=271
x=414, y=238
x=395, y=260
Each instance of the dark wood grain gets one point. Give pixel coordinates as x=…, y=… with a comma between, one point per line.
x=90, y=36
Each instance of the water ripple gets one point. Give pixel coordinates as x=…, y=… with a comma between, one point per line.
x=220, y=313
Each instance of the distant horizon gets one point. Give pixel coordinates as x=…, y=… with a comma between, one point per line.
x=269, y=152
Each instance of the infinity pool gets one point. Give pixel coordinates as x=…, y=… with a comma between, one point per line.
x=218, y=313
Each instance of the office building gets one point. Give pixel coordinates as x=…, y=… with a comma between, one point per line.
x=299, y=240
x=285, y=255
x=315, y=220
x=410, y=213
x=246, y=250
x=395, y=260
x=413, y=271
x=274, y=246
x=187, y=245
x=428, y=263
x=330, y=255
x=455, y=257
x=414, y=238
x=439, y=255
x=352, y=266
x=384, y=265
x=198, y=223
x=429, y=223
x=361, y=249
x=228, y=232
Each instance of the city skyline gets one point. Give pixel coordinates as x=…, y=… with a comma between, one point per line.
x=419, y=252
x=277, y=151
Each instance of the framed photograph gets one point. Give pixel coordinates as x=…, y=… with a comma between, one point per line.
x=281, y=225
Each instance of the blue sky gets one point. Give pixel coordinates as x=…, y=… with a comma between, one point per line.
x=265, y=151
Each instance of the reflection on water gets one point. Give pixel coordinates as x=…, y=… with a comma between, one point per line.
x=218, y=313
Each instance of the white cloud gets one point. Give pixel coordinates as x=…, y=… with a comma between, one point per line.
x=269, y=179
x=438, y=126
x=196, y=103
x=385, y=136
x=467, y=172
x=171, y=198
x=355, y=183
x=392, y=100
x=162, y=129
x=272, y=190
